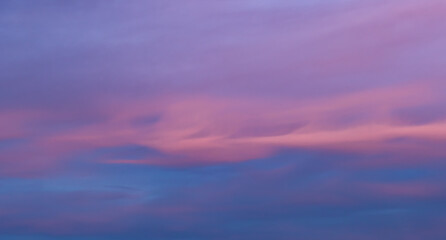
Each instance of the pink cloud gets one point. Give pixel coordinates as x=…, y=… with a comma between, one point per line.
x=207, y=129
x=303, y=89
x=223, y=129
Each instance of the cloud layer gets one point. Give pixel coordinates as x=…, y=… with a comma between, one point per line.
x=222, y=119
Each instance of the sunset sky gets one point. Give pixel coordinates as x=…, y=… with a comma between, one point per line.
x=222, y=120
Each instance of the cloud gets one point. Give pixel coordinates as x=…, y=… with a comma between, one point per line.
x=222, y=129
x=222, y=119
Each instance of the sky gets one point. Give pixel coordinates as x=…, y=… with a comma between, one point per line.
x=222, y=119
